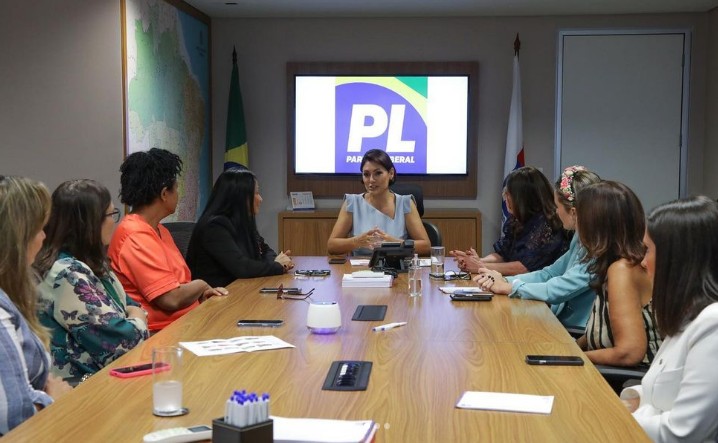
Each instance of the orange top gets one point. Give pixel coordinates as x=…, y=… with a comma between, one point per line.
x=148, y=265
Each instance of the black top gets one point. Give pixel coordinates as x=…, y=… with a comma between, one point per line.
x=219, y=254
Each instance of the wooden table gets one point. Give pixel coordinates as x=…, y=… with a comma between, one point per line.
x=420, y=370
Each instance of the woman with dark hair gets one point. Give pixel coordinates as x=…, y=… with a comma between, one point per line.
x=26, y=384
x=621, y=330
x=225, y=244
x=378, y=215
x=678, y=396
x=564, y=285
x=91, y=319
x=533, y=235
x=142, y=252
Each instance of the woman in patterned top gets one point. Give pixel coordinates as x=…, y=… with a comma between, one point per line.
x=532, y=237
x=91, y=318
x=621, y=330
x=26, y=385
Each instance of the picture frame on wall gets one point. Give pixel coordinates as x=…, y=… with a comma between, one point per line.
x=166, y=75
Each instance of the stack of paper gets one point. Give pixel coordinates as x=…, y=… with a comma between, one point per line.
x=500, y=401
x=367, y=279
x=290, y=430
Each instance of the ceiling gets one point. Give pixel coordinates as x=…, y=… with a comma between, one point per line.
x=441, y=8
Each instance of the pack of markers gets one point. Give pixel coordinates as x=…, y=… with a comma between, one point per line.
x=246, y=419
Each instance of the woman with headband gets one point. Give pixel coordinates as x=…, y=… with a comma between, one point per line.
x=565, y=285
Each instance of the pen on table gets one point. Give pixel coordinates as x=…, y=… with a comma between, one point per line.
x=388, y=326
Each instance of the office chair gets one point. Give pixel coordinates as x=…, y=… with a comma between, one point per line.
x=433, y=231
x=619, y=377
x=411, y=189
x=181, y=233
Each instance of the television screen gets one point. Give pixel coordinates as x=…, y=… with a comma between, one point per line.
x=420, y=121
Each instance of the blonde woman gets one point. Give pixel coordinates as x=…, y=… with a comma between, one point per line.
x=26, y=385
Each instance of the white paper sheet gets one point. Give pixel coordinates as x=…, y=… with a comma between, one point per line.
x=247, y=343
x=500, y=401
x=471, y=289
x=321, y=430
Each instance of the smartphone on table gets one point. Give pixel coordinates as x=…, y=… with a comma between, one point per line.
x=260, y=323
x=461, y=295
x=561, y=360
x=275, y=290
x=138, y=370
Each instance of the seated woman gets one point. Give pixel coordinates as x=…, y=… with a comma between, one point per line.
x=225, y=244
x=25, y=381
x=378, y=215
x=91, y=319
x=678, y=397
x=533, y=235
x=142, y=252
x=565, y=284
x=621, y=330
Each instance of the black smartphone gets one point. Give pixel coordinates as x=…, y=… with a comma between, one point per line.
x=471, y=296
x=337, y=260
x=563, y=360
x=274, y=290
x=260, y=323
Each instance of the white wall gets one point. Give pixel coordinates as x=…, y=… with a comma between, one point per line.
x=61, y=100
x=265, y=45
x=710, y=173
x=61, y=91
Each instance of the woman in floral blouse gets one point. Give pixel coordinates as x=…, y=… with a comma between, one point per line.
x=91, y=318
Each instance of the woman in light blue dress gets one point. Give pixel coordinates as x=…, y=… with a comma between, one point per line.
x=378, y=215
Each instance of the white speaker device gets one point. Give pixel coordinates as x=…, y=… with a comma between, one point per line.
x=324, y=317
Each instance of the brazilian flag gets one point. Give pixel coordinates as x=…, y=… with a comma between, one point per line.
x=236, y=150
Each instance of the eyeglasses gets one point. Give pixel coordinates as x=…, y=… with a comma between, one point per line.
x=451, y=275
x=312, y=272
x=114, y=214
x=292, y=295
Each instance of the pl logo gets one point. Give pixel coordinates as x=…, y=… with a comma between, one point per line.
x=387, y=113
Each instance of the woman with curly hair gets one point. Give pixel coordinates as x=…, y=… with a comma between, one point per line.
x=91, y=318
x=142, y=252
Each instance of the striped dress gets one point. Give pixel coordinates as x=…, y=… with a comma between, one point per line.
x=600, y=336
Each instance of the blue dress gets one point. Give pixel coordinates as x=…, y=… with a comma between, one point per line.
x=366, y=217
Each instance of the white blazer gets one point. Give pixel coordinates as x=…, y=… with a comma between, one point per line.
x=679, y=393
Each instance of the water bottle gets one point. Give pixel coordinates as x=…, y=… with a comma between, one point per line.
x=415, y=277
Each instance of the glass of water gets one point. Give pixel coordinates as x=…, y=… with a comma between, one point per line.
x=414, y=277
x=437, y=259
x=167, y=381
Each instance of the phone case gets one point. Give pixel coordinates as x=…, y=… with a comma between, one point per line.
x=554, y=360
x=115, y=373
x=261, y=324
x=337, y=260
x=471, y=297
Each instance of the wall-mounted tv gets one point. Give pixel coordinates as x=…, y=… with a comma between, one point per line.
x=421, y=121
x=423, y=114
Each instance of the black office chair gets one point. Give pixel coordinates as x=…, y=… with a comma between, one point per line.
x=411, y=189
x=622, y=377
x=181, y=233
x=433, y=231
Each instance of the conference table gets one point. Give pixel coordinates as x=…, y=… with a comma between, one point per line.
x=419, y=370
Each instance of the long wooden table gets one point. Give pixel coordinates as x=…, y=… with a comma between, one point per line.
x=420, y=370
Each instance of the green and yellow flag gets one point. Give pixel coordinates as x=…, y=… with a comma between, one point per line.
x=235, y=150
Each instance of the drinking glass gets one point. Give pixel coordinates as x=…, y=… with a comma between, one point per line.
x=167, y=381
x=437, y=259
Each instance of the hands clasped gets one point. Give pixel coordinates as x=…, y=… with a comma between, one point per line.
x=492, y=281
x=467, y=261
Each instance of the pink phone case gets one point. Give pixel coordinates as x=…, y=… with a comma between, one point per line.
x=116, y=372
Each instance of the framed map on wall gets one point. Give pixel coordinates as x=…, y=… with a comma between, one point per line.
x=166, y=91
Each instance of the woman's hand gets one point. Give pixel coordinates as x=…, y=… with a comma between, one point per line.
x=467, y=261
x=56, y=387
x=492, y=281
x=136, y=312
x=285, y=260
x=370, y=239
x=211, y=292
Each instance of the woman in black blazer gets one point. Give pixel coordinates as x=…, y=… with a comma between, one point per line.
x=225, y=244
